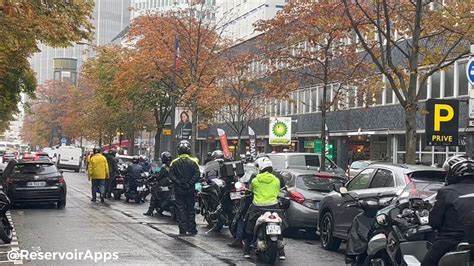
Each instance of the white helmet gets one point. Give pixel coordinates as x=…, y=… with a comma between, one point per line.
x=263, y=163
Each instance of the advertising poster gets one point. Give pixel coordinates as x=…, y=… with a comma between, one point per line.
x=280, y=131
x=183, y=122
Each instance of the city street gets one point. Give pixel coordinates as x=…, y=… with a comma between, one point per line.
x=120, y=227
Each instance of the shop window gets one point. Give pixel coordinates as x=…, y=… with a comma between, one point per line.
x=401, y=143
x=463, y=82
x=435, y=85
x=449, y=82
x=423, y=90
x=439, y=159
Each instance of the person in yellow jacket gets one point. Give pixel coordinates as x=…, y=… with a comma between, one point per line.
x=98, y=171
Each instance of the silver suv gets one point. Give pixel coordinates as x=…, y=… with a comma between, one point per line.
x=310, y=161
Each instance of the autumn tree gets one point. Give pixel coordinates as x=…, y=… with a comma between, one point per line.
x=408, y=41
x=183, y=48
x=238, y=90
x=23, y=24
x=307, y=43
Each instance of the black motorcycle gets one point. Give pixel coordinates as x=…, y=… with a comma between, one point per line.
x=162, y=191
x=6, y=229
x=137, y=189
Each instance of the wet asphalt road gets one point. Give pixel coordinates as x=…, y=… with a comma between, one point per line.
x=116, y=226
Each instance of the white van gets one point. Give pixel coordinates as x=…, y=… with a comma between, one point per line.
x=69, y=158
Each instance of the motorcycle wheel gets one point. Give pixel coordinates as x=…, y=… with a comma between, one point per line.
x=270, y=255
x=6, y=233
x=117, y=195
x=379, y=259
x=138, y=199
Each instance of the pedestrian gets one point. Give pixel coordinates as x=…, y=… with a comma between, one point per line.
x=184, y=174
x=98, y=172
x=113, y=169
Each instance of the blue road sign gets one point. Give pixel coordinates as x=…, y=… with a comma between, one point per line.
x=470, y=71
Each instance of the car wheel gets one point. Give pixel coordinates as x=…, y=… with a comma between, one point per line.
x=328, y=241
x=61, y=204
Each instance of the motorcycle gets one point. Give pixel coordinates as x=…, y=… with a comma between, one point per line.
x=219, y=199
x=407, y=235
x=118, y=186
x=6, y=229
x=138, y=191
x=162, y=191
x=364, y=234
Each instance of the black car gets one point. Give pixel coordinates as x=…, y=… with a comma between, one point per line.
x=34, y=181
x=385, y=180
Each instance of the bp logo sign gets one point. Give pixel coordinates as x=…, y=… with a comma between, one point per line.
x=280, y=131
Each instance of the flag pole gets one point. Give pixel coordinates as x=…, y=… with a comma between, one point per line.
x=173, y=101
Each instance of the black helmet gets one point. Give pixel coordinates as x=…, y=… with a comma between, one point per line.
x=457, y=167
x=217, y=154
x=184, y=147
x=135, y=159
x=96, y=150
x=166, y=157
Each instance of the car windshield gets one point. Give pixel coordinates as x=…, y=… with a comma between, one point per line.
x=313, y=182
x=38, y=169
x=359, y=165
x=420, y=189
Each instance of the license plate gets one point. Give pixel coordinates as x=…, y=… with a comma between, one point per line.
x=36, y=184
x=235, y=195
x=142, y=188
x=316, y=205
x=119, y=186
x=273, y=229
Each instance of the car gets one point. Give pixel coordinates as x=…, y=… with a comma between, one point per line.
x=306, y=189
x=34, y=181
x=7, y=156
x=310, y=161
x=42, y=156
x=358, y=166
x=383, y=180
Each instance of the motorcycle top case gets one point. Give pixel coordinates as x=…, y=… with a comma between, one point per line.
x=231, y=169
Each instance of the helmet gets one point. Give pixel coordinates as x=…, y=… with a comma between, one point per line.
x=217, y=154
x=166, y=157
x=264, y=164
x=184, y=147
x=135, y=159
x=457, y=167
x=96, y=150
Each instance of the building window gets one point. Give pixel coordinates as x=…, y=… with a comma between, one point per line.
x=449, y=82
x=307, y=101
x=283, y=107
x=423, y=93
x=314, y=99
x=301, y=102
x=435, y=85
x=463, y=82
x=352, y=98
x=388, y=94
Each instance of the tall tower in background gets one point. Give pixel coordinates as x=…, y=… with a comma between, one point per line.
x=110, y=17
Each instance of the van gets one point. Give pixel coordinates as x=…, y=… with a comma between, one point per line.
x=70, y=158
x=310, y=161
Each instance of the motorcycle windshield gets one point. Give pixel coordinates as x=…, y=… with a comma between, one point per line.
x=420, y=189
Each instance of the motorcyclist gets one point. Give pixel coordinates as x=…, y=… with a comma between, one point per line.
x=133, y=172
x=265, y=188
x=162, y=179
x=184, y=174
x=145, y=163
x=113, y=170
x=208, y=158
x=212, y=168
x=238, y=221
x=453, y=211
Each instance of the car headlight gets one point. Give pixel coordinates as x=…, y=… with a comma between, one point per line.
x=381, y=219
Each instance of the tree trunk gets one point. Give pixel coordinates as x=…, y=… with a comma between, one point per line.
x=158, y=142
x=194, y=132
x=410, y=133
x=239, y=145
x=131, y=143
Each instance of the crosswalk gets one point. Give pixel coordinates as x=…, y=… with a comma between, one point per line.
x=13, y=246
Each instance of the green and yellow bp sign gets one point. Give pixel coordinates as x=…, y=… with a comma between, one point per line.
x=442, y=122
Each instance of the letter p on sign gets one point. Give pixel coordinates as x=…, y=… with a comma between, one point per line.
x=440, y=116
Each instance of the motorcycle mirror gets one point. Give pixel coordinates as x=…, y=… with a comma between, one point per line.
x=343, y=190
x=238, y=185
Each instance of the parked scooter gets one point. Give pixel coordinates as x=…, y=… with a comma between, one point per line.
x=118, y=186
x=162, y=191
x=6, y=229
x=138, y=191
